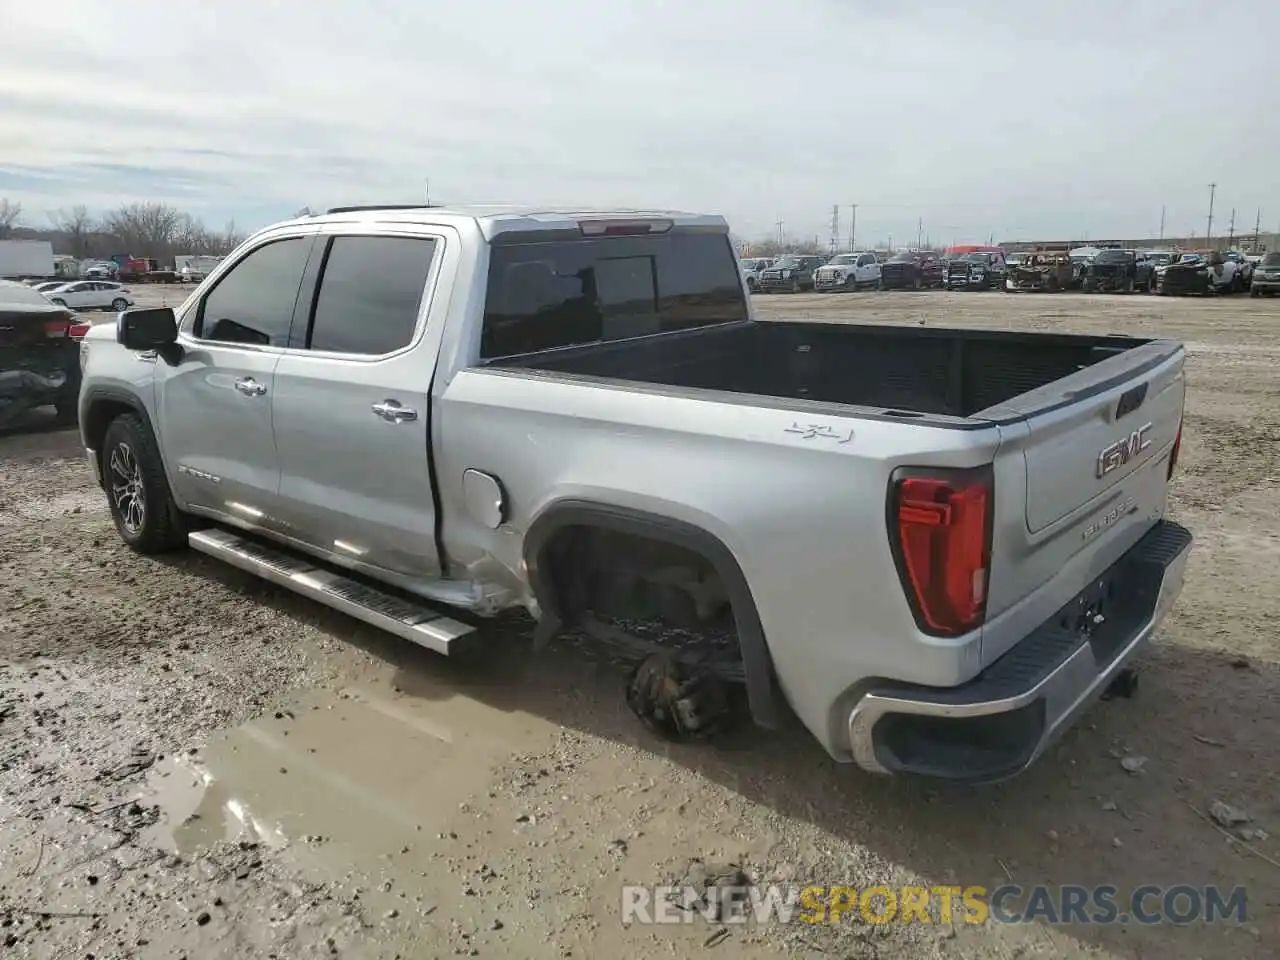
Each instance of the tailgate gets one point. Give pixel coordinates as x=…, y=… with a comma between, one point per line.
x=1078, y=481
x=1080, y=452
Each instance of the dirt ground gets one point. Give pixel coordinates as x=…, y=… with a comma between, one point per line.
x=194, y=763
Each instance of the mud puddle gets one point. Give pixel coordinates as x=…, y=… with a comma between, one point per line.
x=358, y=786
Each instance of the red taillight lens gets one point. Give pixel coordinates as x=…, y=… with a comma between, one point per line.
x=77, y=330
x=941, y=531
x=54, y=329
x=1173, y=454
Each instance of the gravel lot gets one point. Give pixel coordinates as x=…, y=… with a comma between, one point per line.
x=194, y=763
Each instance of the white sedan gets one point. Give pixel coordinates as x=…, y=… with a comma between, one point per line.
x=91, y=295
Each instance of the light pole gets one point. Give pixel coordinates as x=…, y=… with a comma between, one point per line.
x=1208, y=229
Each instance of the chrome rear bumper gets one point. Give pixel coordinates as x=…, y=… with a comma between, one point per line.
x=997, y=724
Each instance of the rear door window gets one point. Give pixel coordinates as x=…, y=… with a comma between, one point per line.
x=370, y=293
x=544, y=295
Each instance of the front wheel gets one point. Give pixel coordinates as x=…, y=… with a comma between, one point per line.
x=119, y=304
x=795, y=284
x=138, y=494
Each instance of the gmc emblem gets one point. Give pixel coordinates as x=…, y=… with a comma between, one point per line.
x=1122, y=451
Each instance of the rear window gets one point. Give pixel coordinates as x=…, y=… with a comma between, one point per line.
x=571, y=292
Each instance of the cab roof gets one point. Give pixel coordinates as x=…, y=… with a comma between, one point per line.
x=495, y=219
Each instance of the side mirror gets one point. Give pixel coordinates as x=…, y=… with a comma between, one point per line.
x=151, y=328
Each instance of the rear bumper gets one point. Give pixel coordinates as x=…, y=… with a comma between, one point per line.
x=997, y=724
x=1266, y=286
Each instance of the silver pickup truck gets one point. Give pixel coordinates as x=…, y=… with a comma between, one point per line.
x=936, y=546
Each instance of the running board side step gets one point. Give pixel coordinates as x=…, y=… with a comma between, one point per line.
x=417, y=623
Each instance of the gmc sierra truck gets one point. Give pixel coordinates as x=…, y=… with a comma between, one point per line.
x=936, y=546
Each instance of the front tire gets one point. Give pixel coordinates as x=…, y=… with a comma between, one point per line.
x=138, y=494
x=795, y=284
x=119, y=304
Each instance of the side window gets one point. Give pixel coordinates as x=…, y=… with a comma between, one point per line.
x=370, y=292
x=254, y=301
x=866, y=260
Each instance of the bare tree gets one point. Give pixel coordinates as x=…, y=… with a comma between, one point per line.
x=230, y=239
x=145, y=229
x=76, y=224
x=9, y=214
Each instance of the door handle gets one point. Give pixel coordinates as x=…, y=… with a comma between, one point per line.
x=250, y=387
x=393, y=412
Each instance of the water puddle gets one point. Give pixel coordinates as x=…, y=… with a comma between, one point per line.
x=354, y=782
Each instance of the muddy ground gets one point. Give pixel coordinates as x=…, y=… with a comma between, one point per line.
x=194, y=763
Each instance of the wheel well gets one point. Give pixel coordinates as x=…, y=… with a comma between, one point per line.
x=616, y=563
x=98, y=417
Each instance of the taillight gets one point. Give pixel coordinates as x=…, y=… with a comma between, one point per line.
x=77, y=330
x=940, y=531
x=1173, y=454
x=56, y=329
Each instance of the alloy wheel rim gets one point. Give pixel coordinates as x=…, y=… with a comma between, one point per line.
x=126, y=488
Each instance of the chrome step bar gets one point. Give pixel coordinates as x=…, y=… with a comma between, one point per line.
x=417, y=623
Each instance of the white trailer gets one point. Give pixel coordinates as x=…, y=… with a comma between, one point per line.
x=26, y=259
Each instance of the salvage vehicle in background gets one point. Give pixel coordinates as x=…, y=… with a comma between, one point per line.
x=975, y=268
x=1198, y=273
x=1244, y=268
x=1266, y=276
x=1117, y=270
x=791, y=272
x=847, y=271
x=39, y=355
x=911, y=270
x=579, y=416
x=1048, y=270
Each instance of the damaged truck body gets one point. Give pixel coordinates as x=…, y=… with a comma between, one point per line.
x=937, y=547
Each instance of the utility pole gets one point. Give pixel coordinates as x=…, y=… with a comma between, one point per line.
x=1257, y=231
x=780, y=243
x=1208, y=229
x=428, y=191
x=1162, y=221
x=919, y=231
x=853, y=224
x=835, y=228
x=1231, y=230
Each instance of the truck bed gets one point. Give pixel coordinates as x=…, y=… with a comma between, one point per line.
x=908, y=370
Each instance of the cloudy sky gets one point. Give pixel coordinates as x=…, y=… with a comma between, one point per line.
x=1062, y=119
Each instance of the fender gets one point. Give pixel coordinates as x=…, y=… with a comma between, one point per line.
x=756, y=662
x=91, y=430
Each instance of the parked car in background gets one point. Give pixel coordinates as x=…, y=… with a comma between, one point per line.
x=39, y=356
x=92, y=295
x=1048, y=271
x=98, y=270
x=911, y=270
x=792, y=272
x=751, y=267
x=847, y=271
x=1244, y=268
x=1266, y=276
x=1198, y=273
x=975, y=268
x=1117, y=270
